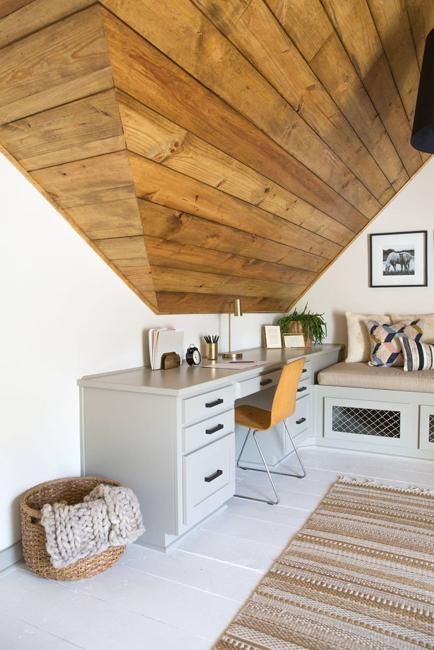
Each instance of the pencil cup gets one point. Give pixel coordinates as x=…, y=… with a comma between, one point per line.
x=212, y=351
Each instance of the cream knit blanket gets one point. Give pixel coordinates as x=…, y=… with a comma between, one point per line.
x=109, y=516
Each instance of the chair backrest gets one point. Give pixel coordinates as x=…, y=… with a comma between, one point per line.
x=286, y=392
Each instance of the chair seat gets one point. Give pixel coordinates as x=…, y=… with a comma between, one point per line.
x=253, y=417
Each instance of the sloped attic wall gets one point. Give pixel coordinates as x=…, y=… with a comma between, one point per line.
x=344, y=287
x=209, y=149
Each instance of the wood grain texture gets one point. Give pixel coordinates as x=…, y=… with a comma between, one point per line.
x=84, y=128
x=421, y=15
x=174, y=190
x=254, y=30
x=58, y=64
x=393, y=27
x=223, y=149
x=188, y=303
x=186, y=229
x=92, y=180
x=353, y=22
x=213, y=61
x=153, y=136
x=9, y=6
x=145, y=73
x=309, y=27
x=36, y=14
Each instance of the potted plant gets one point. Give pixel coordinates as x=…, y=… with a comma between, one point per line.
x=312, y=326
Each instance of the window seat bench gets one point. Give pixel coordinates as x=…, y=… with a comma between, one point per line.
x=383, y=410
x=362, y=375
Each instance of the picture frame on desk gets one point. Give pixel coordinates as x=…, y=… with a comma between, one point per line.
x=272, y=336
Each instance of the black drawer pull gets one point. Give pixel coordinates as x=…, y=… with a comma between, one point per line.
x=216, y=402
x=300, y=421
x=265, y=382
x=304, y=370
x=300, y=390
x=212, y=477
x=218, y=427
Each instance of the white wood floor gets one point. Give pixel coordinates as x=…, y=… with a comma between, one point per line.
x=183, y=599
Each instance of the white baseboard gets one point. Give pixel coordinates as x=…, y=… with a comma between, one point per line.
x=10, y=556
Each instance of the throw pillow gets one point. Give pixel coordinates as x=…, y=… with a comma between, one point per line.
x=428, y=324
x=386, y=348
x=417, y=355
x=359, y=347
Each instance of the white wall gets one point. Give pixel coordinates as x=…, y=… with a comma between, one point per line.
x=345, y=285
x=64, y=314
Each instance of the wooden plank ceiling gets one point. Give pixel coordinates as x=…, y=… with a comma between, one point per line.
x=209, y=149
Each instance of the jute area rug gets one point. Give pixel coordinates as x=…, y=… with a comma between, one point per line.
x=358, y=574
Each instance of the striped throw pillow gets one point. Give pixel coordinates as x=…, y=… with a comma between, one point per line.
x=417, y=355
x=386, y=348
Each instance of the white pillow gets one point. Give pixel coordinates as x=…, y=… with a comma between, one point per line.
x=359, y=347
x=428, y=324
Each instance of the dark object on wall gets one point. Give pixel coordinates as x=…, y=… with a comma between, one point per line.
x=398, y=259
x=422, y=137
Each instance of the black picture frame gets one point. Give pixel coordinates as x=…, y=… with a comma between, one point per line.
x=394, y=235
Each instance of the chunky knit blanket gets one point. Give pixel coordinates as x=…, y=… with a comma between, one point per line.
x=109, y=516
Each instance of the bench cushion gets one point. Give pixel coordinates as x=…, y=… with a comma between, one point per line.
x=360, y=375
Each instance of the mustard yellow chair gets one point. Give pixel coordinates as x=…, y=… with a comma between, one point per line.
x=257, y=419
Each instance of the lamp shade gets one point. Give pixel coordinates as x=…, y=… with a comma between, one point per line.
x=422, y=137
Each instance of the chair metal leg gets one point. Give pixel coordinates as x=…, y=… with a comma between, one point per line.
x=267, y=470
x=271, y=502
x=242, y=449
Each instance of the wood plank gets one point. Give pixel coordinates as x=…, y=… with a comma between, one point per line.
x=191, y=303
x=35, y=15
x=421, y=15
x=9, y=6
x=391, y=21
x=186, y=230
x=153, y=136
x=254, y=30
x=93, y=180
x=353, y=22
x=84, y=128
x=177, y=280
x=168, y=253
x=309, y=27
x=109, y=219
x=149, y=298
x=174, y=190
x=222, y=69
x=56, y=65
x=145, y=73
x=162, y=252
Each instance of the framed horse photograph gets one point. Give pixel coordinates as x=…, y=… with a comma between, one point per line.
x=398, y=259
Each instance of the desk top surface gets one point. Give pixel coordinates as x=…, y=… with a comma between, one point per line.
x=185, y=378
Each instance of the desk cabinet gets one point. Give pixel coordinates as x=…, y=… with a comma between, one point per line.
x=170, y=435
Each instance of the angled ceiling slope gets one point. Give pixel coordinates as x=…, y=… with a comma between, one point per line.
x=209, y=149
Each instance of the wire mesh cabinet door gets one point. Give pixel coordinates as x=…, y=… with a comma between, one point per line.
x=368, y=424
x=426, y=428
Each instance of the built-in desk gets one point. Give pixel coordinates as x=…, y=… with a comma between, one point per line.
x=170, y=434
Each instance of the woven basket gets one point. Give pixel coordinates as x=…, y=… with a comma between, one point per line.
x=71, y=491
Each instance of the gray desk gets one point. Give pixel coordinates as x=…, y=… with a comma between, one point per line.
x=170, y=435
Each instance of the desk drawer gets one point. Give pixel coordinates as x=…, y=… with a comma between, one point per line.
x=301, y=419
x=255, y=385
x=208, y=478
x=206, y=405
x=210, y=430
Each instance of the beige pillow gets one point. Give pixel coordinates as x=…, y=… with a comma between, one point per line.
x=428, y=324
x=359, y=347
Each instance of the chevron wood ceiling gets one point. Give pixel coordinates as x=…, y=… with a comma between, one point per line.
x=209, y=149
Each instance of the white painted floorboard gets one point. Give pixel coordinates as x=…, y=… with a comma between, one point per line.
x=183, y=599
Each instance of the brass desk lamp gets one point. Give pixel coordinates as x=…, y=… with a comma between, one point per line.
x=234, y=309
